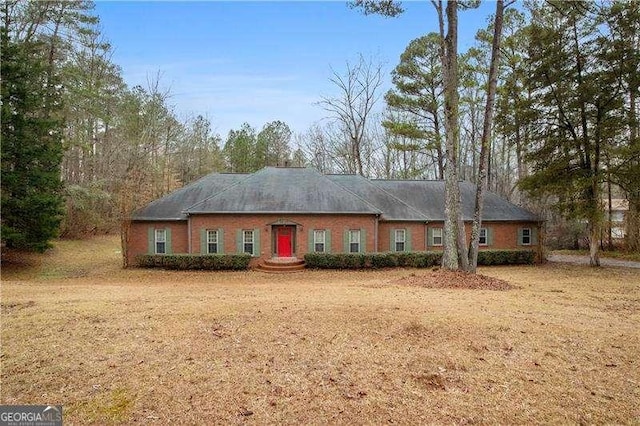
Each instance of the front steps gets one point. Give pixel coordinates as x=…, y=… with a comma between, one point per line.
x=281, y=265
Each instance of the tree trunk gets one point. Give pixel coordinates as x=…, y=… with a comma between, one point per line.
x=594, y=242
x=633, y=194
x=436, y=129
x=463, y=252
x=357, y=154
x=125, y=227
x=125, y=208
x=485, y=146
x=449, y=59
x=610, y=211
x=633, y=223
x=595, y=199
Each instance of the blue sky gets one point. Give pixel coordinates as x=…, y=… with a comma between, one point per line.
x=256, y=62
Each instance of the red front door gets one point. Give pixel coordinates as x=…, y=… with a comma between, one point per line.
x=284, y=242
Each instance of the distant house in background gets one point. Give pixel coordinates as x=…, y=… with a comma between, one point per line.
x=288, y=212
x=619, y=209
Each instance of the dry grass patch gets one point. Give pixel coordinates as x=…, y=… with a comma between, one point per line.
x=143, y=346
x=67, y=259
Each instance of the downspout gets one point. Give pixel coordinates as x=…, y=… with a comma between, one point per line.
x=188, y=233
x=426, y=235
x=375, y=233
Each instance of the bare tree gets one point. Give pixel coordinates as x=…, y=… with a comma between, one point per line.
x=358, y=93
x=146, y=128
x=314, y=144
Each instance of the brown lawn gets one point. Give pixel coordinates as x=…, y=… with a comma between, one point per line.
x=139, y=346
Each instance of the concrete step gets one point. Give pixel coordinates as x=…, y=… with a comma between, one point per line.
x=280, y=268
x=290, y=261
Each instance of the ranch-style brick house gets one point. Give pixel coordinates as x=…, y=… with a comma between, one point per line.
x=286, y=212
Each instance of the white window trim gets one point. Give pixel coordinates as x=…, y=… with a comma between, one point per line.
x=433, y=235
x=245, y=233
x=486, y=237
x=317, y=241
x=211, y=232
x=526, y=236
x=402, y=240
x=162, y=240
x=353, y=232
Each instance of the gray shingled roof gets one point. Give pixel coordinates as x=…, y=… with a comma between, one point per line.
x=171, y=207
x=428, y=197
x=301, y=190
x=285, y=190
x=392, y=208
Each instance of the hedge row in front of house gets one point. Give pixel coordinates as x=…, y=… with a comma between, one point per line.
x=422, y=259
x=211, y=262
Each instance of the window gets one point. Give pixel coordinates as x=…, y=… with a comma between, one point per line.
x=483, y=237
x=319, y=241
x=247, y=241
x=400, y=239
x=212, y=241
x=161, y=241
x=437, y=236
x=354, y=241
x=617, y=232
x=617, y=216
x=526, y=236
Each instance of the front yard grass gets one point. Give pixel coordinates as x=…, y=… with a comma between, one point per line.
x=145, y=346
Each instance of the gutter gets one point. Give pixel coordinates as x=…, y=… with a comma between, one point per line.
x=426, y=235
x=280, y=212
x=158, y=219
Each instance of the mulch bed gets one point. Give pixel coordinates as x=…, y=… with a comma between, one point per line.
x=452, y=279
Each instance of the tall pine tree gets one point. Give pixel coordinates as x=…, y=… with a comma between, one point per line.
x=576, y=96
x=418, y=94
x=240, y=148
x=31, y=146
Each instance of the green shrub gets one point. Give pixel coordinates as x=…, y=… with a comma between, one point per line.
x=506, y=257
x=415, y=259
x=335, y=261
x=210, y=262
x=418, y=259
x=318, y=260
x=372, y=260
x=348, y=261
x=381, y=260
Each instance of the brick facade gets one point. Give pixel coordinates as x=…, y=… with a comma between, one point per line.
x=378, y=236
x=336, y=224
x=501, y=235
x=139, y=237
x=415, y=233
